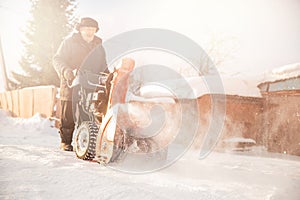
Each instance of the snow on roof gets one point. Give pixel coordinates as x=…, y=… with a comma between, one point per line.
x=282, y=73
x=231, y=85
x=194, y=87
x=240, y=85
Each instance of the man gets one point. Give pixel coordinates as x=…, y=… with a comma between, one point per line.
x=71, y=54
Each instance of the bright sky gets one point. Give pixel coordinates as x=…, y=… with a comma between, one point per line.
x=260, y=35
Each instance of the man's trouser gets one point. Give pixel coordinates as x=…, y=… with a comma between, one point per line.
x=67, y=122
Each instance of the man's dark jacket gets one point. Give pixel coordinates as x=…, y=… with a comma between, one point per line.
x=74, y=53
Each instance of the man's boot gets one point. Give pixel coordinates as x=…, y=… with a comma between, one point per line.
x=66, y=136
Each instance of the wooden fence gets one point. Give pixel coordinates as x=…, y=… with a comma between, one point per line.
x=28, y=101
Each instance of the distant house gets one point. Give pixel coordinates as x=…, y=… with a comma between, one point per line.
x=270, y=119
x=281, y=116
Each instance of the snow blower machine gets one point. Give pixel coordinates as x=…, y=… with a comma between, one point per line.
x=105, y=129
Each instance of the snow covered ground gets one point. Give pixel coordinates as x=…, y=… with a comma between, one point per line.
x=32, y=167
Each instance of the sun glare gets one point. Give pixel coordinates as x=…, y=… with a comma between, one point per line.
x=14, y=15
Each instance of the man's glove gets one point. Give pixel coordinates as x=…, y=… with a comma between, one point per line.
x=68, y=74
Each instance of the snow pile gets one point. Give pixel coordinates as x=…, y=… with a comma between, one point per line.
x=150, y=91
x=132, y=97
x=36, y=122
x=240, y=140
x=4, y=114
x=35, y=129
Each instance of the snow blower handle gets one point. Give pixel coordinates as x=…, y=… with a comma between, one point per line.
x=70, y=76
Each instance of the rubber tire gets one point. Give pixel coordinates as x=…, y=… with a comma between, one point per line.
x=90, y=150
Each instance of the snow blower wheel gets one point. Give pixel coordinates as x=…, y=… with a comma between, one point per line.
x=85, y=140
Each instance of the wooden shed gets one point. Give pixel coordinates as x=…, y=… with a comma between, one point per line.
x=281, y=116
